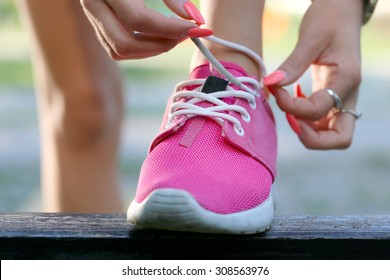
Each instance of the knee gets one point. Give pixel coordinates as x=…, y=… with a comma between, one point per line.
x=87, y=113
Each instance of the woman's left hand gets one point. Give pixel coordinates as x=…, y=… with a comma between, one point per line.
x=329, y=41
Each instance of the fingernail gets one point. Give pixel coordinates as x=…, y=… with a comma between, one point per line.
x=292, y=121
x=193, y=12
x=298, y=91
x=274, y=78
x=199, y=32
x=272, y=90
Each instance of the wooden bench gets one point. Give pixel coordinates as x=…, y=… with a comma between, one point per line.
x=98, y=236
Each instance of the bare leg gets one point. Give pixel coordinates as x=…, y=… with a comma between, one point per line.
x=236, y=21
x=80, y=108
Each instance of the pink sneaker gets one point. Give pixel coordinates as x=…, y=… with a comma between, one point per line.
x=212, y=166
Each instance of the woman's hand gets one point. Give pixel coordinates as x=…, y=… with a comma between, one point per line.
x=329, y=41
x=130, y=30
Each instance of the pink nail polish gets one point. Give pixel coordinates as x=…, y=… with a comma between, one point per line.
x=194, y=13
x=271, y=90
x=292, y=121
x=199, y=32
x=274, y=78
x=298, y=91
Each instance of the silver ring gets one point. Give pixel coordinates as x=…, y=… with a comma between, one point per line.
x=336, y=98
x=352, y=112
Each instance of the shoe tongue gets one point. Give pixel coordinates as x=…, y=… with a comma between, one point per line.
x=205, y=70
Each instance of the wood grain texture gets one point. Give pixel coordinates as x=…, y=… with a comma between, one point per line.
x=98, y=236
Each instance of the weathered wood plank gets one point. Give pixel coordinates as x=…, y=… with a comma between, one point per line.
x=98, y=236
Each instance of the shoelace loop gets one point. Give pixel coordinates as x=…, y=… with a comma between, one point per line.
x=185, y=101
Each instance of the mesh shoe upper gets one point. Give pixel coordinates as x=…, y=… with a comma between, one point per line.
x=224, y=171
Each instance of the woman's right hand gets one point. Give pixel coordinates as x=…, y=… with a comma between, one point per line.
x=130, y=30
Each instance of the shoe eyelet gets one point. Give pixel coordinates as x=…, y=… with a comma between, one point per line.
x=239, y=130
x=246, y=117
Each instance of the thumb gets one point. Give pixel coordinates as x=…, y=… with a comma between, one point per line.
x=185, y=9
x=294, y=66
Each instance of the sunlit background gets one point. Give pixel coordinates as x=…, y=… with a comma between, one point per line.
x=355, y=181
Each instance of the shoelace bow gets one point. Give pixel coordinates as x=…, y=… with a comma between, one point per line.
x=185, y=101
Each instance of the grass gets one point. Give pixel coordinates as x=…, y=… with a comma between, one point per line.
x=16, y=72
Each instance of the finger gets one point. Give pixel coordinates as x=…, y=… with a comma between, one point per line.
x=103, y=41
x=101, y=38
x=295, y=126
x=185, y=9
x=340, y=72
x=123, y=44
x=137, y=17
x=134, y=55
x=337, y=136
x=304, y=54
x=177, y=6
x=312, y=108
x=319, y=103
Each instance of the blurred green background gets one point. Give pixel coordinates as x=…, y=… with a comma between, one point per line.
x=355, y=181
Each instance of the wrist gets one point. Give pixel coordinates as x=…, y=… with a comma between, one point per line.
x=368, y=9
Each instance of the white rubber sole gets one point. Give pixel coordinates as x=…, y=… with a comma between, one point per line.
x=173, y=209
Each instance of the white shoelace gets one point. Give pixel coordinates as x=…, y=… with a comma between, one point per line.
x=184, y=101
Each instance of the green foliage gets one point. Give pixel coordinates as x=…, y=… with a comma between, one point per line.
x=8, y=11
x=16, y=72
x=159, y=5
